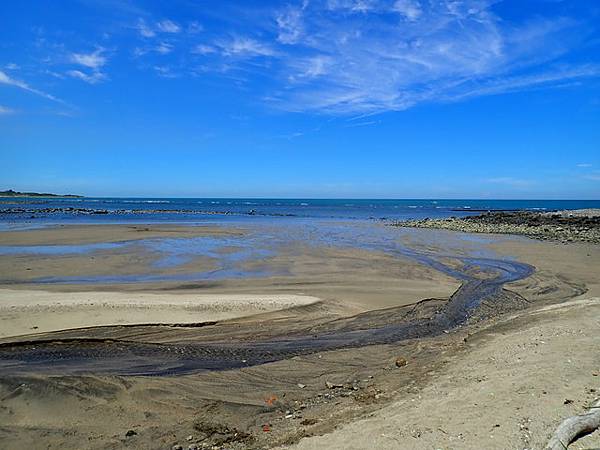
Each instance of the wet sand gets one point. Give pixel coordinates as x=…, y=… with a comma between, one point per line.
x=281, y=403
x=89, y=234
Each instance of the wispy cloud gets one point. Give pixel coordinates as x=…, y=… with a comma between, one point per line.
x=93, y=61
x=245, y=47
x=290, y=26
x=194, y=27
x=5, y=79
x=6, y=111
x=371, y=56
x=91, y=78
x=168, y=26
x=165, y=72
x=144, y=29
x=510, y=181
x=163, y=48
x=584, y=165
x=150, y=30
x=410, y=9
x=363, y=124
x=204, y=49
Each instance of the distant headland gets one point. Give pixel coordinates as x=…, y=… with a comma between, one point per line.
x=11, y=193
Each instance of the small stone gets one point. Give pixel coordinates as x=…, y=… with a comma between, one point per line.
x=401, y=362
x=331, y=385
x=567, y=401
x=177, y=447
x=193, y=447
x=190, y=438
x=301, y=386
x=130, y=433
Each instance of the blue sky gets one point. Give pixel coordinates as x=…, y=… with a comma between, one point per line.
x=306, y=98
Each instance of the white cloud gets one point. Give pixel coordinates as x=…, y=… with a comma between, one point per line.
x=163, y=48
x=6, y=111
x=246, y=47
x=12, y=66
x=168, y=26
x=145, y=30
x=93, y=78
x=584, y=165
x=164, y=26
x=194, y=27
x=165, y=72
x=510, y=181
x=363, y=61
x=310, y=67
x=362, y=6
x=94, y=60
x=203, y=49
x=289, y=23
x=5, y=79
x=410, y=9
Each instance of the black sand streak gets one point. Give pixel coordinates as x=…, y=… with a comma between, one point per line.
x=119, y=357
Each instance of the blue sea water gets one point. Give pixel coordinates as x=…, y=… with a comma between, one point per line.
x=193, y=209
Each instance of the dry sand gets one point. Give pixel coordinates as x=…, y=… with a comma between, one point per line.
x=33, y=311
x=509, y=388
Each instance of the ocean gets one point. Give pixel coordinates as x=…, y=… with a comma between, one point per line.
x=102, y=210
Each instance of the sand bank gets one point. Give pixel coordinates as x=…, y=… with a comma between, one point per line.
x=33, y=311
x=89, y=234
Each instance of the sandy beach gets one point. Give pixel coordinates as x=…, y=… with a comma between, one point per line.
x=393, y=395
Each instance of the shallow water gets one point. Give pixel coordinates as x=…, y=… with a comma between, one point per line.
x=260, y=241
x=481, y=272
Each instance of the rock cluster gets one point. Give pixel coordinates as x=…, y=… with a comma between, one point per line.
x=89, y=211
x=564, y=226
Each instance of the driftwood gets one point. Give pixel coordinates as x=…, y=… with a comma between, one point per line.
x=575, y=427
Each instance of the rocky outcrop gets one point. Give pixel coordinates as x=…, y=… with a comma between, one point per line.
x=563, y=226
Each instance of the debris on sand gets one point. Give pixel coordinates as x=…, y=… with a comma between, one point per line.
x=218, y=434
x=401, y=362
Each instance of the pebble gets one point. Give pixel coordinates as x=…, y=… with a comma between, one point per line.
x=401, y=362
